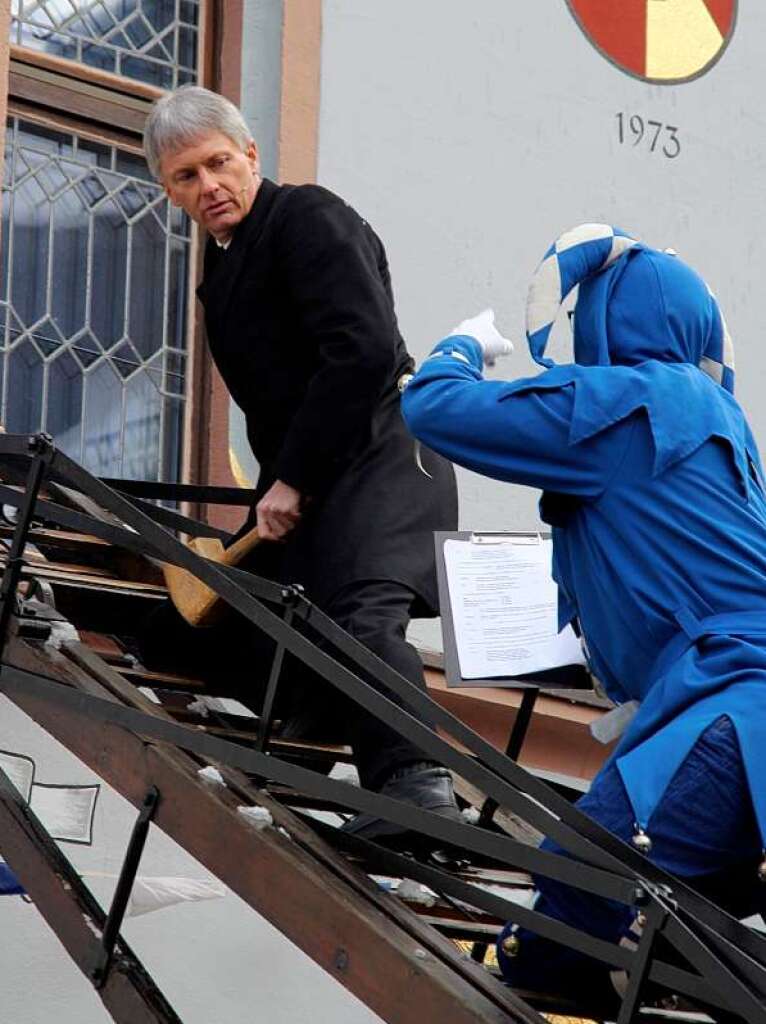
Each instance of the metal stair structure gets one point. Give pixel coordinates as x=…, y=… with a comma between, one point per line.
x=87, y=551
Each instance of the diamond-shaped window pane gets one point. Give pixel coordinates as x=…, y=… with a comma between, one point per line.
x=51, y=179
x=91, y=189
x=125, y=360
x=37, y=15
x=110, y=33
x=99, y=19
x=91, y=269
x=46, y=337
x=85, y=349
x=131, y=201
x=158, y=52
x=118, y=40
x=138, y=31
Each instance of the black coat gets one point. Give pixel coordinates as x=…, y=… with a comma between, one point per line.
x=300, y=319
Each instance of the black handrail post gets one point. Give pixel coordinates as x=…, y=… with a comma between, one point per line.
x=41, y=449
x=512, y=750
x=102, y=966
x=653, y=918
x=291, y=596
x=515, y=743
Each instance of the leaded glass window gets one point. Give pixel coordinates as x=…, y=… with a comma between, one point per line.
x=154, y=41
x=94, y=268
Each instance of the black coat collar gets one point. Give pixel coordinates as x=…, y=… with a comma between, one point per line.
x=222, y=267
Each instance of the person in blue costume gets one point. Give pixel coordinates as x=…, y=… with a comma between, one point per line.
x=654, y=490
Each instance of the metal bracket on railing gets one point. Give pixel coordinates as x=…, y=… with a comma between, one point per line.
x=100, y=971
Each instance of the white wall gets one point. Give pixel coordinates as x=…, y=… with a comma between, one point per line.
x=471, y=134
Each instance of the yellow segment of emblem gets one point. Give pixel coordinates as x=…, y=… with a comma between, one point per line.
x=681, y=38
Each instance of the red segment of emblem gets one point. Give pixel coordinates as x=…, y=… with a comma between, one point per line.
x=619, y=29
x=722, y=12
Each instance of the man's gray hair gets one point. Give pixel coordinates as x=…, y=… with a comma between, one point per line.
x=185, y=116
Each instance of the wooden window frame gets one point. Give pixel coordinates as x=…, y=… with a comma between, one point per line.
x=104, y=107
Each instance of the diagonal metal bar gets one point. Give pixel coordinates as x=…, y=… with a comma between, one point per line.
x=51, y=512
x=388, y=862
x=69, y=908
x=738, y=994
x=627, y=859
x=42, y=452
x=176, y=521
x=749, y=968
x=17, y=682
x=493, y=779
x=204, y=494
x=307, y=891
x=623, y=855
x=633, y=862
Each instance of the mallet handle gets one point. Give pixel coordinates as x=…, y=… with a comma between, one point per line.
x=241, y=547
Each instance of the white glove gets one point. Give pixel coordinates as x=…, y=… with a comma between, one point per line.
x=482, y=329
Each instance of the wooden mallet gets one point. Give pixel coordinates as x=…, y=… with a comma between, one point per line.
x=193, y=599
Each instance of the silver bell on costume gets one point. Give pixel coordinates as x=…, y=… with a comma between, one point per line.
x=762, y=869
x=642, y=842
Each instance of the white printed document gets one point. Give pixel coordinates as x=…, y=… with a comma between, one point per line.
x=505, y=608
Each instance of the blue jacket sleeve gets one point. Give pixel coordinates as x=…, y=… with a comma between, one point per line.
x=491, y=427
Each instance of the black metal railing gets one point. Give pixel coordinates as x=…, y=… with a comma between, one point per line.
x=716, y=960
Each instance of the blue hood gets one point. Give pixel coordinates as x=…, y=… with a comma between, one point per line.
x=648, y=305
x=646, y=326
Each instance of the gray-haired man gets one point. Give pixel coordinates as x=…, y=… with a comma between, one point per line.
x=300, y=320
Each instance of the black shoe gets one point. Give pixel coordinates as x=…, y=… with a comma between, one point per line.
x=424, y=784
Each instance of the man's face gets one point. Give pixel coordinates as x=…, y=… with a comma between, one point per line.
x=214, y=181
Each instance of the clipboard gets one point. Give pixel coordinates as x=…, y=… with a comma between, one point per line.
x=567, y=677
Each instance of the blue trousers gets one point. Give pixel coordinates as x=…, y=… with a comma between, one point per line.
x=9, y=883
x=703, y=830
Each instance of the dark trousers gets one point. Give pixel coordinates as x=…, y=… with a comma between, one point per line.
x=703, y=830
x=234, y=658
